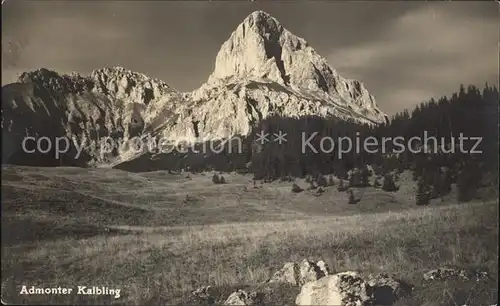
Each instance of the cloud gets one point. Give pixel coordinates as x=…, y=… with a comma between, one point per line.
x=60, y=42
x=425, y=53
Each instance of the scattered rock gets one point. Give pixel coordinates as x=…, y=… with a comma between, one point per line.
x=481, y=275
x=189, y=199
x=445, y=273
x=296, y=188
x=204, y=293
x=350, y=289
x=309, y=271
x=299, y=274
x=342, y=289
x=321, y=181
x=385, y=289
x=288, y=274
x=319, y=191
x=312, y=186
x=242, y=297
x=323, y=267
x=286, y=178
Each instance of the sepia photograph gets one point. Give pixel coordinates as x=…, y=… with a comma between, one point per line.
x=259, y=152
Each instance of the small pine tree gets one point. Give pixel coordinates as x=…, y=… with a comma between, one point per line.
x=215, y=179
x=354, y=178
x=352, y=198
x=437, y=184
x=447, y=180
x=468, y=182
x=364, y=176
x=464, y=189
x=423, y=195
x=388, y=184
x=331, y=182
x=341, y=186
x=222, y=180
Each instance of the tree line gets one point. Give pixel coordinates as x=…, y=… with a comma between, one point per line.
x=470, y=112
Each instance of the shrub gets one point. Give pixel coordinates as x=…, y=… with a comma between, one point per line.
x=321, y=181
x=423, y=195
x=296, y=188
x=215, y=179
x=359, y=177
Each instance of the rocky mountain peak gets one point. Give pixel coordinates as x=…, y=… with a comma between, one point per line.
x=262, y=49
x=262, y=70
x=261, y=23
x=122, y=83
x=54, y=82
x=116, y=82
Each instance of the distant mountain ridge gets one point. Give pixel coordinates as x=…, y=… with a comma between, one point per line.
x=260, y=71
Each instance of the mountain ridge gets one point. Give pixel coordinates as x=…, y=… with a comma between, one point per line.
x=260, y=71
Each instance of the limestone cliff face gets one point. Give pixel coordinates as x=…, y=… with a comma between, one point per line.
x=261, y=48
x=261, y=70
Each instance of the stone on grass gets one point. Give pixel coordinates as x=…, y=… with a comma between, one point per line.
x=241, y=297
x=385, y=289
x=445, y=273
x=351, y=289
x=204, y=293
x=323, y=267
x=342, y=289
x=309, y=271
x=299, y=274
x=288, y=274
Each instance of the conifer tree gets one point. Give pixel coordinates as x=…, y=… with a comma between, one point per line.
x=352, y=198
x=388, y=184
x=341, y=186
x=331, y=182
x=215, y=179
x=423, y=194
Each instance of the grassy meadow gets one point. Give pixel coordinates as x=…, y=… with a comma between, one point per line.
x=158, y=236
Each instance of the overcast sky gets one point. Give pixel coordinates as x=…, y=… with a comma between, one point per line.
x=404, y=52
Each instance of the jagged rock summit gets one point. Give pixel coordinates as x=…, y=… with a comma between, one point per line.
x=261, y=70
x=261, y=48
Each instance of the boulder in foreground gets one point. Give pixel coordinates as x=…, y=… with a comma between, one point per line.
x=241, y=297
x=299, y=274
x=350, y=289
